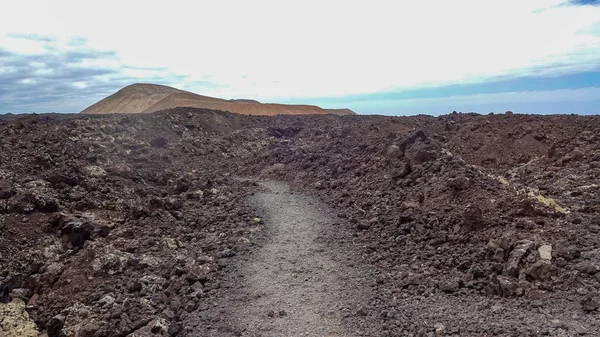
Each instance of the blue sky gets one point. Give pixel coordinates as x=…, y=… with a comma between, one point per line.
x=579, y=93
x=376, y=57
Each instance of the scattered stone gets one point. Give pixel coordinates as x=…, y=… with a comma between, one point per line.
x=568, y=252
x=177, y=215
x=473, y=217
x=588, y=267
x=55, y=325
x=590, y=303
x=509, y=287
x=158, y=142
x=363, y=225
x=450, y=286
x=22, y=293
x=134, y=286
x=77, y=228
x=226, y=253
x=497, y=307
x=545, y=252
x=6, y=189
x=393, y=150
x=497, y=254
x=440, y=329
x=190, y=306
x=89, y=330
x=106, y=301
x=95, y=171
x=542, y=270
x=521, y=248
x=159, y=325
x=121, y=170
x=111, y=261
x=458, y=183
x=362, y=312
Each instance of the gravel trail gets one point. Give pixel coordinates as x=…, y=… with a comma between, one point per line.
x=299, y=281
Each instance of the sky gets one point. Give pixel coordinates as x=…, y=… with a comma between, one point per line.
x=396, y=57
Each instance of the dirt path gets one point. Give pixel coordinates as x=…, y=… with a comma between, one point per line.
x=299, y=281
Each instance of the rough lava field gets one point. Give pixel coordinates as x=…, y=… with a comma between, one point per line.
x=193, y=222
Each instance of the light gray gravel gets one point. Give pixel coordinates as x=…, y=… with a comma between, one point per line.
x=300, y=280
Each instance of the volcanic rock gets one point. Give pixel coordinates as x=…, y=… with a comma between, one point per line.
x=519, y=251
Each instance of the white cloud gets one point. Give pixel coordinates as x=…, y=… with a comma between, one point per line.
x=321, y=48
x=80, y=85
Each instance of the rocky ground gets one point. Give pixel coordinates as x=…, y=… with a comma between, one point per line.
x=464, y=224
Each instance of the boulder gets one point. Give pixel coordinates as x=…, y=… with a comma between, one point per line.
x=110, y=261
x=568, y=252
x=473, y=217
x=55, y=325
x=158, y=142
x=590, y=303
x=521, y=248
x=121, y=170
x=509, y=286
x=393, y=151
x=542, y=270
x=588, y=267
x=6, y=189
x=458, y=183
x=76, y=228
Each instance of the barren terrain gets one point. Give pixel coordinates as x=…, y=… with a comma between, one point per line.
x=192, y=222
x=146, y=98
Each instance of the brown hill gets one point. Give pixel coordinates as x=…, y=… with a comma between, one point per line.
x=146, y=98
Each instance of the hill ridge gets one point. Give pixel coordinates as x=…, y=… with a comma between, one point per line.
x=147, y=98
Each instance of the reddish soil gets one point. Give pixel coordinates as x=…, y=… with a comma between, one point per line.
x=466, y=225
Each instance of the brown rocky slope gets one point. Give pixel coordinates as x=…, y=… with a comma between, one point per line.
x=146, y=98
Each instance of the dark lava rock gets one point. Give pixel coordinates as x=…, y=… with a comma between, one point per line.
x=158, y=142
x=89, y=330
x=519, y=251
x=121, y=170
x=473, y=217
x=450, y=286
x=80, y=227
x=568, y=252
x=55, y=326
x=542, y=271
x=283, y=132
x=588, y=267
x=458, y=183
x=363, y=225
x=226, y=253
x=6, y=189
x=416, y=188
x=590, y=303
x=509, y=286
